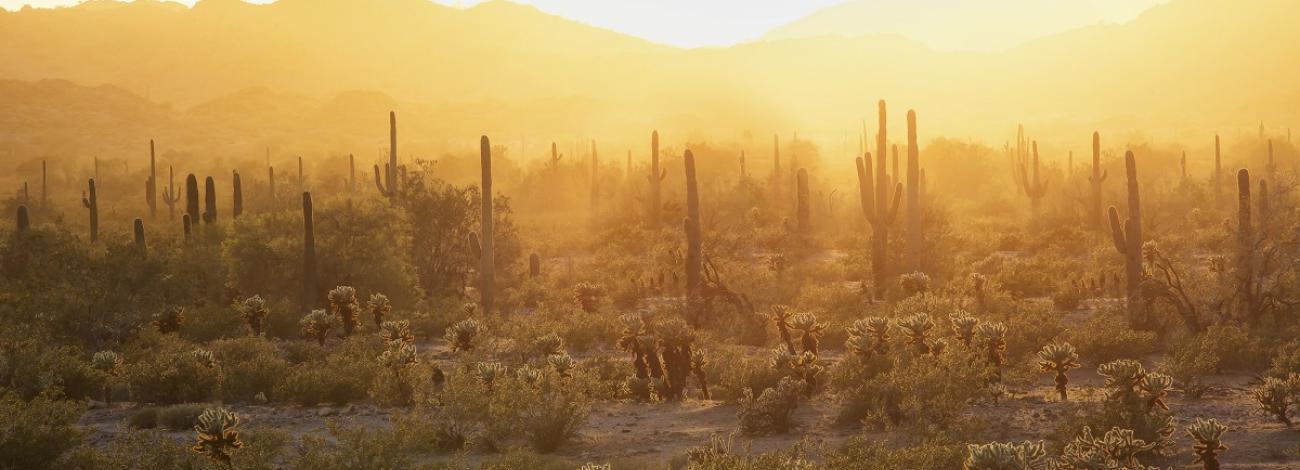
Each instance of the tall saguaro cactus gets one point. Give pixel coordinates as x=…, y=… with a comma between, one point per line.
x=171, y=195
x=237, y=191
x=151, y=185
x=1272, y=166
x=310, y=287
x=90, y=200
x=24, y=222
x=209, y=201
x=1218, y=169
x=487, y=266
x=138, y=226
x=192, y=198
x=1247, y=298
x=803, y=207
x=1128, y=242
x=1024, y=168
x=388, y=187
x=595, y=184
x=1095, y=180
x=913, y=196
x=876, y=206
x=270, y=180
x=691, y=225
x=656, y=177
x=776, y=169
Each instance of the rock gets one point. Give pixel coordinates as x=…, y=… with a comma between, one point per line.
x=326, y=411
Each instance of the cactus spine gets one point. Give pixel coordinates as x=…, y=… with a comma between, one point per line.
x=90, y=199
x=656, y=179
x=237, y=189
x=913, y=196
x=309, y=284
x=487, y=267
x=209, y=201
x=876, y=206
x=151, y=185
x=388, y=187
x=802, y=204
x=1128, y=242
x=691, y=225
x=170, y=195
x=138, y=226
x=24, y=223
x=192, y=197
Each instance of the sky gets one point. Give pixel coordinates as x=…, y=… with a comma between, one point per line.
x=702, y=23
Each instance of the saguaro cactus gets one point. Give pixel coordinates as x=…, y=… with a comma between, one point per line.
x=1218, y=169
x=876, y=206
x=188, y=225
x=776, y=168
x=309, y=284
x=534, y=266
x=237, y=190
x=1128, y=242
x=192, y=197
x=151, y=185
x=352, y=173
x=656, y=177
x=1027, y=176
x=388, y=187
x=209, y=201
x=270, y=180
x=487, y=266
x=138, y=226
x=743, y=175
x=24, y=223
x=90, y=199
x=1247, y=298
x=302, y=176
x=595, y=183
x=171, y=195
x=1272, y=166
x=691, y=225
x=802, y=204
x=913, y=196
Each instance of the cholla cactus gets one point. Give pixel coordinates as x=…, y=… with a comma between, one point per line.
x=915, y=328
x=963, y=327
x=528, y=374
x=463, y=334
x=588, y=295
x=217, y=435
x=675, y=341
x=548, y=345
x=1118, y=448
x=993, y=338
x=914, y=283
x=317, y=324
x=1207, y=435
x=1059, y=358
x=1005, y=456
x=640, y=388
x=254, y=312
x=108, y=363
x=781, y=316
x=169, y=320
x=399, y=357
x=802, y=367
x=399, y=331
x=698, y=361
x=1155, y=387
x=868, y=336
x=810, y=331
x=1123, y=376
x=379, y=307
x=343, y=303
x=636, y=339
x=770, y=411
x=488, y=373
x=1277, y=395
x=562, y=362
x=204, y=357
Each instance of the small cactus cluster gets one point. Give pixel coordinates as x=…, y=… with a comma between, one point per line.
x=1005, y=456
x=916, y=330
x=1118, y=448
x=992, y=337
x=463, y=335
x=963, y=327
x=1129, y=382
x=317, y=325
x=1059, y=358
x=548, y=345
x=588, y=296
x=169, y=320
x=663, y=356
x=914, y=283
x=802, y=367
x=772, y=410
x=217, y=437
x=488, y=373
x=1208, y=435
x=108, y=363
x=869, y=336
x=396, y=331
x=810, y=331
x=1277, y=395
x=379, y=307
x=343, y=303
x=253, y=310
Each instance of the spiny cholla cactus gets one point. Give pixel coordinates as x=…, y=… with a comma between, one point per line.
x=1208, y=436
x=217, y=437
x=639, y=387
x=488, y=373
x=399, y=357
x=528, y=374
x=781, y=316
x=1156, y=387
x=963, y=327
x=1276, y=396
x=698, y=361
x=675, y=341
x=637, y=339
x=562, y=362
x=343, y=303
x=802, y=367
x=317, y=325
x=1126, y=378
x=1059, y=358
x=1005, y=456
x=254, y=312
x=399, y=331
x=868, y=336
x=915, y=328
x=379, y=307
x=810, y=331
x=993, y=338
x=204, y=358
x=169, y=320
x=463, y=334
x=108, y=363
x=548, y=345
x=1118, y=448
x=914, y=283
x=588, y=295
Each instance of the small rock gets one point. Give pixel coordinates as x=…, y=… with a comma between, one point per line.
x=327, y=411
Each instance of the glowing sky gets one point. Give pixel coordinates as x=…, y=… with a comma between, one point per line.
x=696, y=23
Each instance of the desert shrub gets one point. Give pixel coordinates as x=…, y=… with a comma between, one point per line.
x=400, y=368
x=1107, y=337
x=141, y=449
x=926, y=390
x=250, y=366
x=733, y=369
x=772, y=410
x=209, y=323
x=181, y=417
x=1235, y=347
x=175, y=373
x=862, y=453
x=1135, y=403
x=721, y=453
x=1189, y=363
x=352, y=446
x=37, y=434
x=29, y=367
x=1030, y=325
x=346, y=374
x=144, y=418
x=1286, y=360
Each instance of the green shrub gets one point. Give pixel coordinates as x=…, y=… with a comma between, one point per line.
x=733, y=369
x=144, y=418
x=174, y=374
x=345, y=375
x=772, y=410
x=250, y=366
x=1286, y=360
x=29, y=367
x=1107, y=337
x=37, y=434
x=180, y=417
x=863, y=453
x=352, y=446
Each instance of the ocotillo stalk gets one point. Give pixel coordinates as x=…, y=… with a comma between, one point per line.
x=691, y=225
x=192, y=197
x=24, y=223
x=310, y=287
x=1128, y=242
x=1218, y=169
x=487, y=266
x=209, y=201
x=913, y=196
x=656, y=178
x=139, y=234
x=534, y=266
x=1098, y=176
x=237, y=191
x=151, y=185
x=879, y=211
x=188, y=225
x=1246, y=299
x=91, y=201
x=170, y=194
x=802, y=205
x=388, y=187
